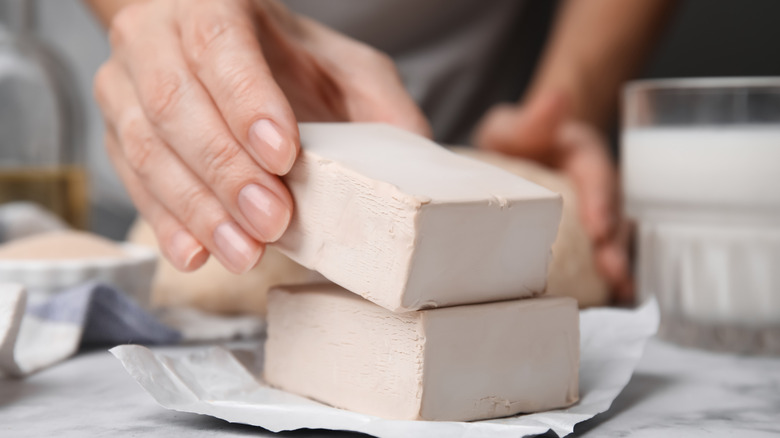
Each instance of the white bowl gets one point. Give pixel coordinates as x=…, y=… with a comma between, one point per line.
x=132, y=274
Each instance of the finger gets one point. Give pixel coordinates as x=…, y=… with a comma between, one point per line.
x=184, y=116
x=582, y=155
x=220, y=44
x=612, y=263
x=176, y=243
x=169, y=180
x=349, y=81
x=191, y=202
x=377, y=94
x=529, y=130
x=625, y=287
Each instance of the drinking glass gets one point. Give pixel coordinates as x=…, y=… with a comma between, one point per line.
x=700, y=166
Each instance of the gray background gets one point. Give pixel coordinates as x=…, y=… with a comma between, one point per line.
x=705, y=38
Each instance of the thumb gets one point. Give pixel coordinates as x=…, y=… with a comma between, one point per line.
x=527, y=130
x=380, y=96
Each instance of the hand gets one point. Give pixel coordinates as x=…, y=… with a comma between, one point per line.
x=542, y=131
x=201, y=100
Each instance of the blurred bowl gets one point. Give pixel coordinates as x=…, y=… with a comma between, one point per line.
x=132, y=273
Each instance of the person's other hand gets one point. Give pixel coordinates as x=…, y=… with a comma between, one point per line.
x=201, y=100
x=542, y=130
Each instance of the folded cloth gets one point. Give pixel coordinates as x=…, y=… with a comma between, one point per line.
x=42, y=335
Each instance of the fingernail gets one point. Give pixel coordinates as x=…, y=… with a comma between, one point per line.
x=265, y=211
x=188, y=252
x=237, y=250
x=276, y=153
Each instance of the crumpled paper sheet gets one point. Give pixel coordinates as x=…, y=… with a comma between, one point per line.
x=226, y=384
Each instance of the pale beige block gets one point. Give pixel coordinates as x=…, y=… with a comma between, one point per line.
x=407, y=224
x=458, y=363
x=573, y=270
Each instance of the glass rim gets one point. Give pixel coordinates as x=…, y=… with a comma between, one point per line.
x=701, y=83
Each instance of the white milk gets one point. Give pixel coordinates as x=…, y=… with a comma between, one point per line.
x=716, y=166
x=708, y=205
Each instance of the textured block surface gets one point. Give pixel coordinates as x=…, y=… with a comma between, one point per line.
x=457, y=363
x=408, y=225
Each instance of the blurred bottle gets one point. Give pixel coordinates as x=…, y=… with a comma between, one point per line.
x=41, y=152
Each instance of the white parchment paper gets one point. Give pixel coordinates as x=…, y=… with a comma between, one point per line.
x=226, y=384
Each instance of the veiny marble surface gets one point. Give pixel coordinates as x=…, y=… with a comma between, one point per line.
x=674, y=392
x=679, y=392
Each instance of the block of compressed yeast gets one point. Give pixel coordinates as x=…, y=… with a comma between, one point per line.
x=405, y=223
x=457, y=363
x=573, y=271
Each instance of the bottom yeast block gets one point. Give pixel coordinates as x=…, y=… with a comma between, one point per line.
x=457, y=363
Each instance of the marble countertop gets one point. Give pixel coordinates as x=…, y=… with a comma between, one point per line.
x=674, y=392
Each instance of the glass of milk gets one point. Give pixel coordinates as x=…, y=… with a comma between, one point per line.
x=701, y=177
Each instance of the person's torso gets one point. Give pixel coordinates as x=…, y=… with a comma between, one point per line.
x=456, y=57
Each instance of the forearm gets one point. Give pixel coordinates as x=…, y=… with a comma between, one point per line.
x=105, y=10
x=595, y=46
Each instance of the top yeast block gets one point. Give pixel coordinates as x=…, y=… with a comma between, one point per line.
x=409, y=225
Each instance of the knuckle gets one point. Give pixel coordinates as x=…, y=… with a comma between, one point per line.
x=219, y=155
x=241, y=83
x=137, y=143
x=137, y=156
x=124, y=24
x=205, y=36
x=210, y=28
x=192, y=201
x=161, y=93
